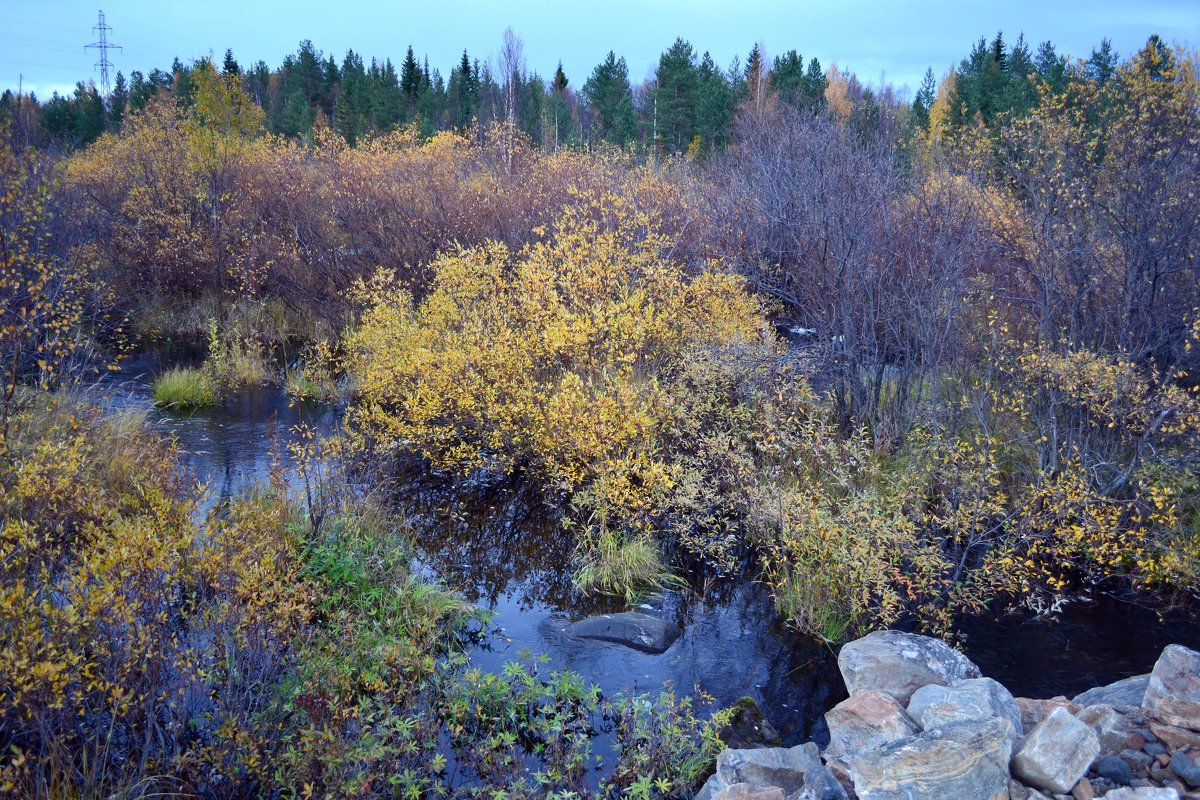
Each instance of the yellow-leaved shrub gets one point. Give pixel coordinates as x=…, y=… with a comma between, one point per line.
x=564, y=361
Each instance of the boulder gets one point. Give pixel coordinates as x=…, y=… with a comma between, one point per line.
x=820, y=784
x=1034, y=711
x=1176, y=737
x=1057, y=753
x=1173, y=694
x=744, y=791
x=1185, y=763
x=1111, y=726
x=865, y=721
x=900, y=663
x=1123, y=693
x=762, y=767
x=956, y=761
x=630, y=628
x=1142, y=793
x=974, y=698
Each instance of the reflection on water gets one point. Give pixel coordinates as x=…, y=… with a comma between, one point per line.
x=518, y=564
x=1085, y=645
x=511, y=556
x=230, y=446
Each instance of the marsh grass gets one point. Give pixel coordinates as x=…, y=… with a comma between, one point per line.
x=185, y=388
x=626, y=566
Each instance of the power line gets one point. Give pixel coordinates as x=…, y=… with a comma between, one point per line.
x=103, y=45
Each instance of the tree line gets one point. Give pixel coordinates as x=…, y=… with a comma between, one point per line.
x=687, y=106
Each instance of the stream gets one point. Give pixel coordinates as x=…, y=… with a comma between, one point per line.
x=733, y=644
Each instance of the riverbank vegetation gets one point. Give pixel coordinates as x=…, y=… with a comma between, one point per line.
x=901, y=361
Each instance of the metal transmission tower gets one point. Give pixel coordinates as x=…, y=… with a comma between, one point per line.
x=103, y=45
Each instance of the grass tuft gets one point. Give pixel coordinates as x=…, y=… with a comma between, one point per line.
x=617, y=565
x=184, y=388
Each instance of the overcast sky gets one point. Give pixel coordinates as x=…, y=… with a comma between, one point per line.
x=43, y=40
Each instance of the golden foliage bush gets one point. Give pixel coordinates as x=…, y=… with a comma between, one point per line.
x=557, y=362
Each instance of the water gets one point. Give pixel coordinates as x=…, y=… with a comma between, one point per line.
x=230, y=446
x=516, y=563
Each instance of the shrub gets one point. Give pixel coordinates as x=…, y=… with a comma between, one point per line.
x=560, y=362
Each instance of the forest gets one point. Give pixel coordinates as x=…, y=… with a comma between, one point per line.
x=902, y=361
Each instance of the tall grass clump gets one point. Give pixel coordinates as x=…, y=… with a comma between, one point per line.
x=185, y=388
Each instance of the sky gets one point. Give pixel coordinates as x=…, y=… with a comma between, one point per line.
x=42, y=41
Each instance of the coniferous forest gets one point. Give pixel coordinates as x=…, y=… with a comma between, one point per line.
x=902, y=361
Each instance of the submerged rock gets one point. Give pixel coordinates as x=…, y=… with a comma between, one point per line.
x=900, y=663
x=748, y=727
x=630, y=628
x=1057, y=753
x=956, y=761
x=1173, y=693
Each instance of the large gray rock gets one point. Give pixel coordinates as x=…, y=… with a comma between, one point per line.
x=1143, y=793
x=1034, y=711
x=865, y=721
x=744, y=791
x=762, y=767
x=974, y=698
x=1111, y=726
x=900, y=663
x=1057, y=753
x=820, y=784
x=1173, y=694
x=1127, y=692
x=1185, y=763
x=631, y=628
x=957, y=761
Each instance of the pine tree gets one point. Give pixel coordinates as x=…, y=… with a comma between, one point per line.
x=812, y=88
x=677, y=82
x=609, y=96
x=230, y=65
x=787, y=78
x=755, y=76
x=118, y=101
x=714, y=107
x=1102, y=64
x=924, y=100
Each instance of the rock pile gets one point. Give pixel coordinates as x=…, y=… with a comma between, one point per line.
x=922, y=723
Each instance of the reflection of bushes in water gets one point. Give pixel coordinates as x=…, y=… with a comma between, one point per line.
x=247, y=654
x=492, y=543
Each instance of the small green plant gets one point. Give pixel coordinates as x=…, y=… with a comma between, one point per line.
x=185, y=388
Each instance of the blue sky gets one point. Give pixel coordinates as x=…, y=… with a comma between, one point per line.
x=43, y=40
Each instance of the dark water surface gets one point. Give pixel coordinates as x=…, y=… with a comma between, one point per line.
x=518, y=566
x=230, y=446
